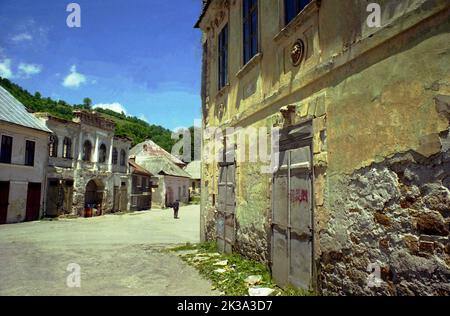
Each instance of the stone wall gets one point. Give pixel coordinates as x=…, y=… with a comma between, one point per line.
x=394, y=215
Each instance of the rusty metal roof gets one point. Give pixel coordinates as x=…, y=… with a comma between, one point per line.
x=14, y=112
x=138, y=169
x=150, y=148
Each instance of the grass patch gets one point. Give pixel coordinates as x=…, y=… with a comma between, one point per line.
x=232, y=279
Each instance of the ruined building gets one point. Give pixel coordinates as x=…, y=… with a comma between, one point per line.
x=23, y=158
x=172, y=181
x=357, y=200
x=88, y=166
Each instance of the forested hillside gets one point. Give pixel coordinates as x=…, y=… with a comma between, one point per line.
x=132, y=127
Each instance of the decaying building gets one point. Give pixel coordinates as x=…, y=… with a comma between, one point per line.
x=358, y=199
x=173, y=181
x=141, y=187
x=88, y=166
x=194, y=169
x=23, y=158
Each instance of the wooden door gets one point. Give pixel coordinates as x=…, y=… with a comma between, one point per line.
x=226, y=208
x=33, y=202
x=4, y=202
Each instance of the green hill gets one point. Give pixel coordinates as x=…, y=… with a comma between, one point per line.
x=132, y=127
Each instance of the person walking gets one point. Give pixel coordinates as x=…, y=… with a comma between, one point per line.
x=176, y=207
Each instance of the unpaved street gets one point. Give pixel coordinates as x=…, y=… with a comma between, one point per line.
x=118, y=255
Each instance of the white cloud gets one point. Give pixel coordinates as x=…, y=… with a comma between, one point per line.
x=74, y=79
x=22, y=37
x=28, y=70
x=5, y=69
x=116, y=107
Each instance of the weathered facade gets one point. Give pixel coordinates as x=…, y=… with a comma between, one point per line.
x=88, y=166
x=141, y=187
x=173, y=181
x=359, y=200
x=23, y=158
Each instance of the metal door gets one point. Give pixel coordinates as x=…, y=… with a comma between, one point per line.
x=4, y=202
x=226, y=208
x=292, y=233
x=33, y=202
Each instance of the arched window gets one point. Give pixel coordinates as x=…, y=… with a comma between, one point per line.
x=123, y=157
x=87, y=151
x=67, y=148
x=102, y=153
x=115, y=156
x=53, y=146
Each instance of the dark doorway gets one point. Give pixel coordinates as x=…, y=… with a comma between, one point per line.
x=33, y=202
x=4, y=201
x=94, y=195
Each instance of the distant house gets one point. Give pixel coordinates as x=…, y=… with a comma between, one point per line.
x=194, y=169
x=23, y=161
x=173, y=181
x=141, y=187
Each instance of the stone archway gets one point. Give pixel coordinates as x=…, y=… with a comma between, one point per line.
x=93, y=198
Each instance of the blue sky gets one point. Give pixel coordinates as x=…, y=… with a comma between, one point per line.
x=140, y=55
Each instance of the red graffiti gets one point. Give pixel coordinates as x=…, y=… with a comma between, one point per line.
x=299, y=196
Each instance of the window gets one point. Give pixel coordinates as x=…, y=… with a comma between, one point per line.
x=67, y=148
x=292, y=8
x=144, y=184
x=123, y=155
x=53, y=146
x=87, y=151
x=223, y=57
x=102, y=153
x=6, y=149
x=29, y=153
x=115, y=156
x=250, y=29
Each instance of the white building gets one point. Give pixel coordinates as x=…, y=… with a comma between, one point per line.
x=23, y=161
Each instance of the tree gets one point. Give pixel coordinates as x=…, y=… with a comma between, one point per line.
x=87, y=103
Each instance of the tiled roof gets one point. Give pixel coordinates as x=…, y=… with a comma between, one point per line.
x=194, y=169
x=14, y=112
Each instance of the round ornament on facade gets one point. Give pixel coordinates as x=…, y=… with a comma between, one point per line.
x=297, y=52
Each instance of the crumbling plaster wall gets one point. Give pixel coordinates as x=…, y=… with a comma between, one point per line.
x=374, y=95
x=387, y=185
